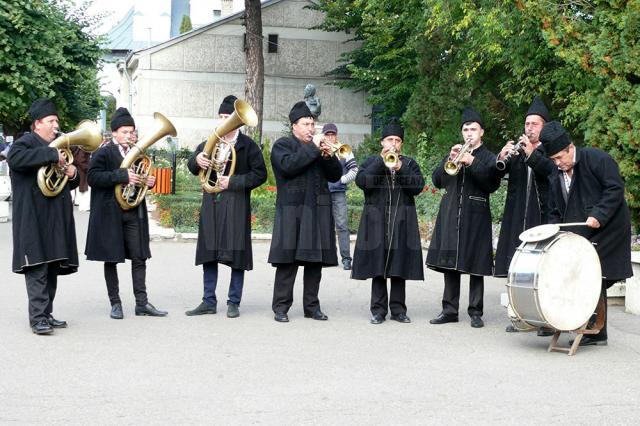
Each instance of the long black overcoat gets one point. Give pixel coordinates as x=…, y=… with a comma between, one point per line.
x=597, y=190
x=105, y=236
x=224, y=232
x=43, y=227
x=462, y=237
x=303, y=229
x=388, y=243
x=522, y=212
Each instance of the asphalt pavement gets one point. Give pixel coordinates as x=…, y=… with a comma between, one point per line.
x=253, y=370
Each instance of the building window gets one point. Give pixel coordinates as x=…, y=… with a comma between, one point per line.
x=217, y=13
x=273, y=43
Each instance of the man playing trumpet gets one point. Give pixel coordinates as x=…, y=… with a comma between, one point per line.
x=44, y=233
x=115, y=234
x=462, y=238
x=388, y=244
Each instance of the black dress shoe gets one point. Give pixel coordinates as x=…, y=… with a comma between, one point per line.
x=346, y=264
x=377, y=319
x=233, y=310
x=202, y=309
x=443, y=319
x=476, y=321
x=42, y=327
x=150, y=311
x=544, y=332
x=511, y=329
x=281, y=317
x=116, y=311
x=317, y=315
x=56, y=323
x=591, y=341
x=401, y=318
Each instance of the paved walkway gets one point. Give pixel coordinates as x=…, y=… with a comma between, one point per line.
x=211, y=369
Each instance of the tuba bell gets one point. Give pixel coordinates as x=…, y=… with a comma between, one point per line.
x=131, y=195
x=220, y=151
x=87, y=136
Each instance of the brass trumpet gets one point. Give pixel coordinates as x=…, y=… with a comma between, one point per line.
x=131, y=194
x=219, y=151
x=341, y=150
x=391, y=159
x=51, y=178
x=452, y=167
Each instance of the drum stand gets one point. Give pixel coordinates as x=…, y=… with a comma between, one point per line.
x=571, y=350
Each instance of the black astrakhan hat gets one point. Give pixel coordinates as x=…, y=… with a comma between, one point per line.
x=393, y=129
x=470, y=115
x=554, y=138
x=539, y=108
x=226, y=107
x=121, y=118
x=299, y=110
x=41, y=108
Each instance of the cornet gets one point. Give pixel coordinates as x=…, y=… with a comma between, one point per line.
x=452, y=167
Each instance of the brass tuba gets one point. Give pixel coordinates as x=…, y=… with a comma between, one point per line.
x=131, y=195
x=87, y=136
x=219, y=151
x=452, y=167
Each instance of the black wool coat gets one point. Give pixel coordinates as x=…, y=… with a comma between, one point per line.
x=224, y=232
x=527, y=203
x=105, y=236
x=303, y=229
x=462, y=237
x=597, y=190
x=388, y=243
x=43, y=227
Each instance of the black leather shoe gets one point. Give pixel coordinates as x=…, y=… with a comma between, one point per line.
x=150, y=311
x=443, y=319
x=42, y=327
x=202, y=309
x=591, y=341
x=511, y=329
x=544, y=332
x=476, y=321
x=346, y=264
x=281, y=317
x=116, y=311
x=56, y=323
x=233, y=310
x=317, y=315
x=377, y=319
x=401, y=318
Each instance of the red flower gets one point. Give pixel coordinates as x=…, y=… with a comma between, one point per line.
x=270, y=188
x=426, y=188
x=253, y=218
x=434, y=191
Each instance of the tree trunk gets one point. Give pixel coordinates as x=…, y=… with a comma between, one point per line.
x=254, y=83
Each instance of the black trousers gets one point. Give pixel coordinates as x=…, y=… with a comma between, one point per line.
x=42, y=282
x=283, y=287
x=603, y=296
x=451, y=296
x=131, y=229
x=380, y=298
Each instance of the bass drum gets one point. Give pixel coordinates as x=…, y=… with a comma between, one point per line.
x=554, y=282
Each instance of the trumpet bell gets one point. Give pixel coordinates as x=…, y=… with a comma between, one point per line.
x=451, y=168
x=391, y=160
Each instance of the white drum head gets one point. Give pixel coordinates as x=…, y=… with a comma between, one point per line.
x=569, y=281
x=539, y=233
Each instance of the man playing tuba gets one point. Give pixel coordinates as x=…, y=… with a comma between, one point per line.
x=115, y=234
x=44, y=237
x=224, y=232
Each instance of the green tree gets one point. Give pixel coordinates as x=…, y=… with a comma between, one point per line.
x=185, y=25
x=47, y=50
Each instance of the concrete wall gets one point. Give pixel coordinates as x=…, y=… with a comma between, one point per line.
x=187, y=80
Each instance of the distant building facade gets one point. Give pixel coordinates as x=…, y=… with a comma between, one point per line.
x=186, y=77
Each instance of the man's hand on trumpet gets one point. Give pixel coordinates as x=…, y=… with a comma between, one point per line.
x=318, y=141
x=203, y=161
